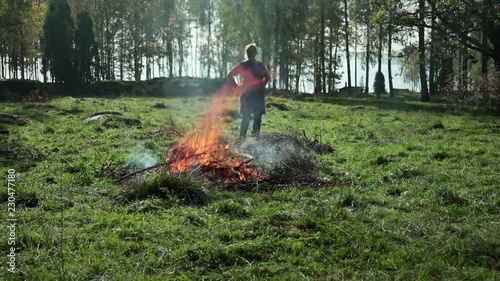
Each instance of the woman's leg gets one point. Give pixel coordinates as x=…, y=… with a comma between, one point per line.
x=245, y=121
x=257, y=121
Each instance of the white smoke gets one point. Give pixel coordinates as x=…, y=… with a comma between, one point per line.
x=140, y=160
x=269, y=151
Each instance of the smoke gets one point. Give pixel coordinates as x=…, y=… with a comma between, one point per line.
x=140, y=160
x=273, y=151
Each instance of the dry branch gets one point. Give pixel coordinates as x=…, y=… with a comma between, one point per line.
x=138, y=172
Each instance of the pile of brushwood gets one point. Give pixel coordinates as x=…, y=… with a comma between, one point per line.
x=284, y=158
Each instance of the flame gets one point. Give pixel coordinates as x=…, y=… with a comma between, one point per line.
x=203, y=149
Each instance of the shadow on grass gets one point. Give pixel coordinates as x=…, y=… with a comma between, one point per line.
x=38, y=111
x=28, y=199
x=35, y=111
x=408, y=103
x=20, y=157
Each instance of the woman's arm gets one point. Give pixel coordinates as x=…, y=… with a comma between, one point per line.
x=230, y=76
x=267, y=76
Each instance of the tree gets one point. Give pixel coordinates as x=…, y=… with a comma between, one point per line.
x=347, y=55
x=432, y=58
x=380, y=17
x=19, y=33
x=424, y=91
x=86, y=53
x=390, y=30
x=58, y=41
x=368, y=47
x=202, y=13
x=168, y=21
x=462, y=19
x=262, y=7
x=322, y=46
x=379, y=84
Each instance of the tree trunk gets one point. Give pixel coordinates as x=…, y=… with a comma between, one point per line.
x=21, y=58
x=44, y=69
x=465, y=69
x=496, y=52
x=299, y=67
x=322, y=47
x=108, y=48
x=2, y=67
x=286, y=68
x=367, y=71
x=432, y=59
x=356, y=55
x=196, y=62
x=277, y=44
x=148, y=58
x=424, y=91
x=14, y=62
x=209, y=39
x=389, y=58
x=170, y=56
x=35, y=68
x=331, y=60
x=136, y=57
x=496, y=58
x=494, y=37
x=317, y=68
x=347, y=44
x=181, y=55
x=380, y=36
x=265, y=35
x=122, y=51
x=297, y=78
x=484, y=56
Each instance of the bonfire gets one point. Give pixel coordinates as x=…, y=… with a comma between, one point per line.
x=269, y=158
x=204, y=152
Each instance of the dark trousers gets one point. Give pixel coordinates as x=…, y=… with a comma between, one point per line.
x=245, y=121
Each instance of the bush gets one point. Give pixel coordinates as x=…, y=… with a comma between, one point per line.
x=476, y=91
x=379, y=84
x=38, y=96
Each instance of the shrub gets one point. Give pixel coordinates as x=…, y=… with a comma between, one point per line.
x=379, y=84
x=477, y=91
x=38, y=96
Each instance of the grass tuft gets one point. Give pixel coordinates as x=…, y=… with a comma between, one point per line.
x=381, y=161
x=445, y=196
x=440, y=155
x=167, y=186
x=437, y=126
x=230, y=208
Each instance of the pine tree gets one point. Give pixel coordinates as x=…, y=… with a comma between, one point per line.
x=58, y=41
x=379, y=84
x=86, y=53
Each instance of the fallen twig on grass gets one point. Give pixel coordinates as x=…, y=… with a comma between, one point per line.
x=139, y=171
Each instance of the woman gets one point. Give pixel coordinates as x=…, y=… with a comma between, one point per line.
x=253, y=77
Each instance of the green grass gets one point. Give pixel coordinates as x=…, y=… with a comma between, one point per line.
x=413, y=196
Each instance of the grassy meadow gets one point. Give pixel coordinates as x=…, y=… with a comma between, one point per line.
x=413, y=195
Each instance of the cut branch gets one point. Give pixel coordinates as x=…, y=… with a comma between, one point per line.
x=138, y=172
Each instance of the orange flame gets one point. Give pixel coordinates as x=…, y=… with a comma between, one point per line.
x=203, y=148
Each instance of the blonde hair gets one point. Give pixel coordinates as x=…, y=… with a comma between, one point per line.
x=248, y=47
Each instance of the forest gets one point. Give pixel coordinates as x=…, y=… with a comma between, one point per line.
x=449, y=47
